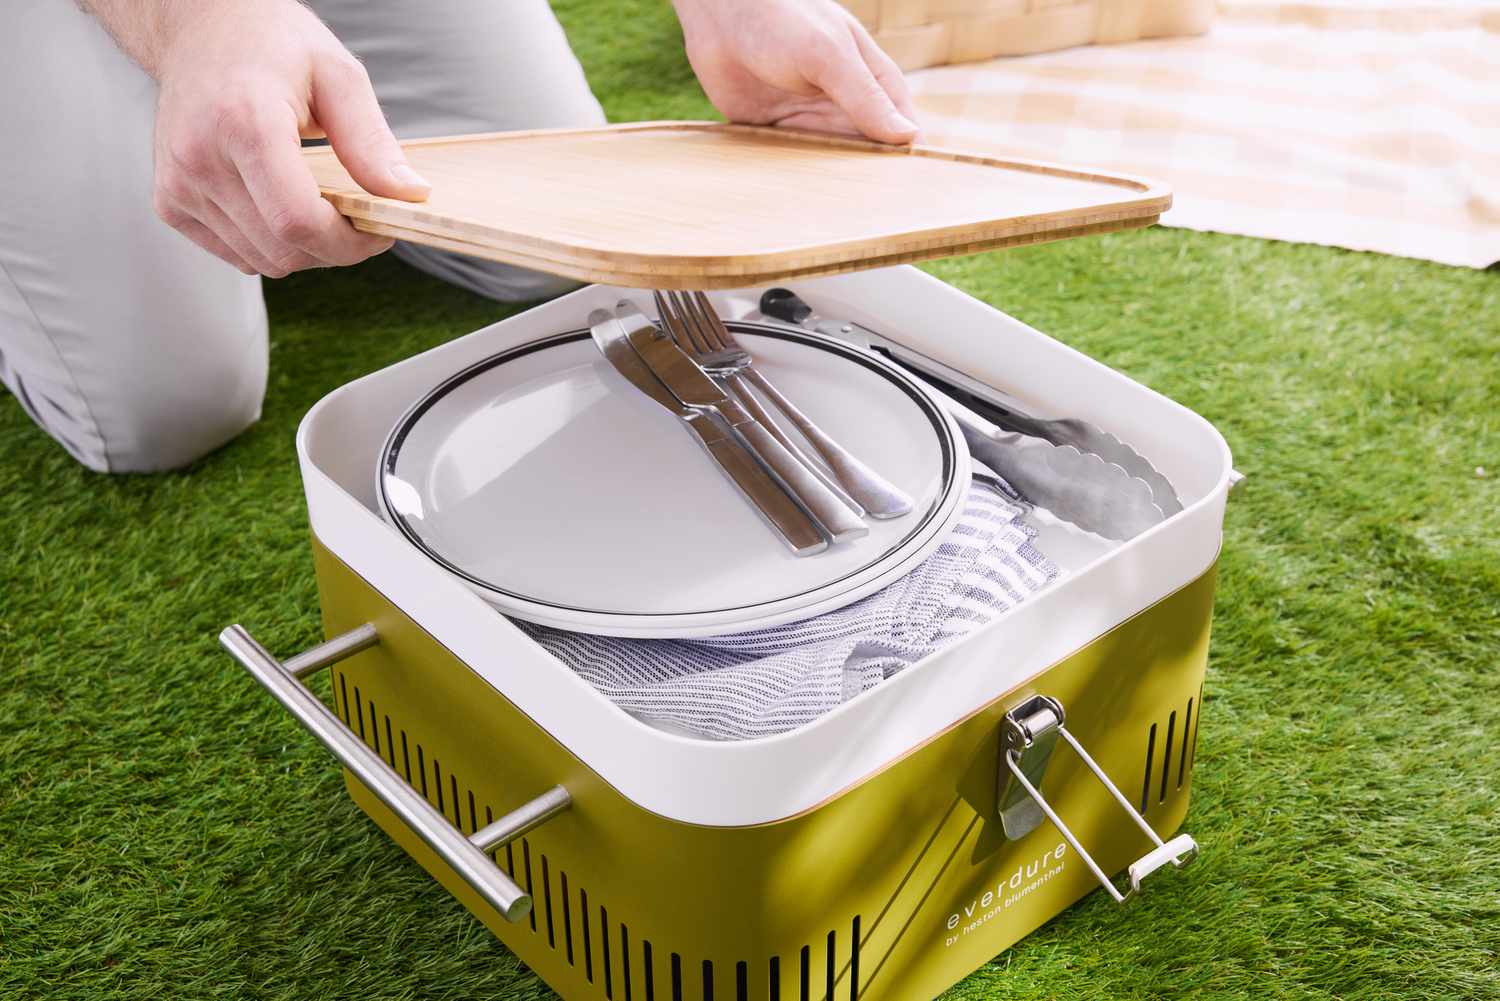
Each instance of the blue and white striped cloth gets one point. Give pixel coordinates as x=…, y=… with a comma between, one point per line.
x=771, y=680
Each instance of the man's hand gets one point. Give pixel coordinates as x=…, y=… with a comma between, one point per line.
x=241, y=86
x=803, y=63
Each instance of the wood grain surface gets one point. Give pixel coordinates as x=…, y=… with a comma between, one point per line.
x=705, y=205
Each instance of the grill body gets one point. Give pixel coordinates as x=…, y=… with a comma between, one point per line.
x=862, y=856
x=893, y=888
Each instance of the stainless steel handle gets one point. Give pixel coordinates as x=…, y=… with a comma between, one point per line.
x=466, y=855
x=876, y=494
x=1029, y=735
x=837, y=518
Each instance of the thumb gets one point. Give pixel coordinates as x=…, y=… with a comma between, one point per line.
x=346, y=109
x=848, y=81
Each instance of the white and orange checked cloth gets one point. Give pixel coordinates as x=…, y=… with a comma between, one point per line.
x=1371, y=126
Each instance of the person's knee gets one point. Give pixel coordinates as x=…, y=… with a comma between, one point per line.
x=172, y=416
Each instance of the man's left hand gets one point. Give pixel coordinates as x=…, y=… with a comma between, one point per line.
x=800, y=63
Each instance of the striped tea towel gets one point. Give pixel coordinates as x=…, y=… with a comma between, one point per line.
x=771, y=680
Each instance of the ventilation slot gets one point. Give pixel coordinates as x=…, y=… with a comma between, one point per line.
x=588, y=952
x=547, y=903
x=526, y=859
x=567, y=919
x=832, y=972
x=625, y=959
x=596, y=943
x=1146, y=782
x=609, y=979
x=1193, y=754
x=359, y=712
x=854, y=960
x=1184, y=742
x=1166, y=757
x=1182, y=759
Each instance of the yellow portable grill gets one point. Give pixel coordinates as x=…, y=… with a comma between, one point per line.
x=881, y=852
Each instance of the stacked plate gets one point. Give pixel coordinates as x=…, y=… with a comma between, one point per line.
x=565, y=497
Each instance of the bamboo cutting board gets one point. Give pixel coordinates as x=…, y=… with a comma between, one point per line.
x=699, y=205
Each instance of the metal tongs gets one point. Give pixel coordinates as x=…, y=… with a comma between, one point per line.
x=1076, y=470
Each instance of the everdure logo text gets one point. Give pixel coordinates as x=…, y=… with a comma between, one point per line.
x=1023, y=881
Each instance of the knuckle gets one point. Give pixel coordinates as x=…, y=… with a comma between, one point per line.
x=292, y=225
x=241, y=116
x=191, y=159
x=346, y=69
x=167, y=209
x=821, y=53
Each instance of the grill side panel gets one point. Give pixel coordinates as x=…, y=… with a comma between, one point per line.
x=894, y=889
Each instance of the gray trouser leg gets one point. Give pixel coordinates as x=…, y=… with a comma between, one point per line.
x=133, y=348
x=130, y=346
x=451, y=66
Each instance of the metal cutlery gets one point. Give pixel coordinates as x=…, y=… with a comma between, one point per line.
x=1080, y=487
x=764, y=493
x=676, y=317
x=694, y=388
x=785, y=305
x=714, y=347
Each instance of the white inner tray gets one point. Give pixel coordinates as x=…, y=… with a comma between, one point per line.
x=756, y=781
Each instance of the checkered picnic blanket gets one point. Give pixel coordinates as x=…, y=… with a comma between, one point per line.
x=1371, y=126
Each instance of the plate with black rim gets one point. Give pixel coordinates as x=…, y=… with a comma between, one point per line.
x=562, y=495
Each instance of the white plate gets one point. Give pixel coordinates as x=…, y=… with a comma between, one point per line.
x=564, y=496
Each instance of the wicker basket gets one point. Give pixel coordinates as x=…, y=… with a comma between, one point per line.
x=920, y=33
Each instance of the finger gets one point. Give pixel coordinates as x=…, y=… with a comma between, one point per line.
x=205, y=238
x=842, y=73
x=285, y=195
x=229, y=213
x=887, y=73
x=345, y=108
x=187, y=210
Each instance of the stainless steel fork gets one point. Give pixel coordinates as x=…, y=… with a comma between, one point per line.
x=677, y=315
x=722, y=355
x=841, y=521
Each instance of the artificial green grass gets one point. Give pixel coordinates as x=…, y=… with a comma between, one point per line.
x=166, y=831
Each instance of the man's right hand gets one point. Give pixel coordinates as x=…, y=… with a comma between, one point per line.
x=241, y=86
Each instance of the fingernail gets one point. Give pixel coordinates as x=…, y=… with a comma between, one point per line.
x=900, y=123
x=403, y=174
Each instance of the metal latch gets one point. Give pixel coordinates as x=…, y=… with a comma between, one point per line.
x=1030, y=733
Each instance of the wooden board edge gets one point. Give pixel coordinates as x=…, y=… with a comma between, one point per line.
x=632, y=279
x=930, y=243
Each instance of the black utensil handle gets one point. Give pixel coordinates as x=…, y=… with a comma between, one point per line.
x=784, y=304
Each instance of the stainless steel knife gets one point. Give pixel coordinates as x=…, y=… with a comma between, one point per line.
x=695, y=388
x=780, y=511
x=995, y=405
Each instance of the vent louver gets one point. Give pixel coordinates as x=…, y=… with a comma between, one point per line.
x=601, y=947
x=1157, y=776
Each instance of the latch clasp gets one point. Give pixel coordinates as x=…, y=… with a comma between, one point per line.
x=1029, y=735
